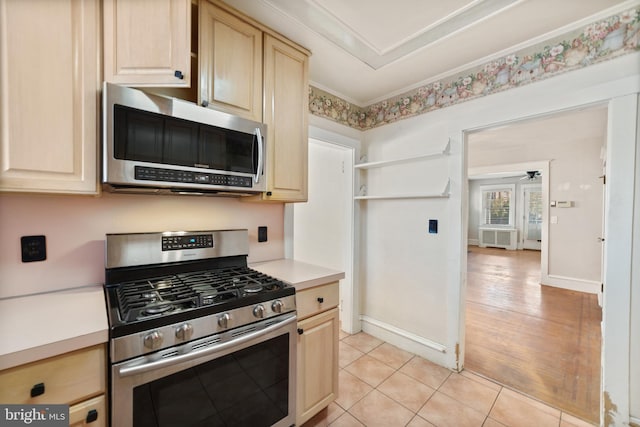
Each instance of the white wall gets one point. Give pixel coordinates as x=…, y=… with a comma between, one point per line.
x=634, y=379
x=412, y=281
x=75, y=229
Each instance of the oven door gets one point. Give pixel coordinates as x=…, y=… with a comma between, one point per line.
x=242, y=377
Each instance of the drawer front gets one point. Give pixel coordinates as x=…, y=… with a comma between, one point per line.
x=317, y=299
x=92, y=412
x=66, y=379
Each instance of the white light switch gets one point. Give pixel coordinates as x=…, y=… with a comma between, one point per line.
x=554, y=220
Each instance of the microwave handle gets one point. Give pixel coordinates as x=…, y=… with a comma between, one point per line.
x=259, y=168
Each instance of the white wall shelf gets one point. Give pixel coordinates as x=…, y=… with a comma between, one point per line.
x=382, y=163
x=429, y=156
x=443, y=195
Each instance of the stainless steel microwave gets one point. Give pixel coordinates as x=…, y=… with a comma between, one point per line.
x=156, y=144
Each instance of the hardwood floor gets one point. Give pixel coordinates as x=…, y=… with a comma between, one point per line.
x=540, y=340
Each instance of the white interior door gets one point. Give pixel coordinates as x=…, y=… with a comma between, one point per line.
x=322, y=227
x=532, y=217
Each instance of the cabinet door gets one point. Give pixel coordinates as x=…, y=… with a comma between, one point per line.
x=67, y=378
x=49, y=103
x=286, y=94
x=92, y=412
x=230, y=53
x=147, y=42
x=317, y=364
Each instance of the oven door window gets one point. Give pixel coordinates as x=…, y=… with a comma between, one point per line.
x=246, y=388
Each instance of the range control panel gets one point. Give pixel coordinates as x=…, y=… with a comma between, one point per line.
x=193, y=241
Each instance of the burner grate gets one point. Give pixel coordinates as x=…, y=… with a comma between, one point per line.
x=166, y=294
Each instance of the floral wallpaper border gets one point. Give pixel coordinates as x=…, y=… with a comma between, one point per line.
x=600, y=41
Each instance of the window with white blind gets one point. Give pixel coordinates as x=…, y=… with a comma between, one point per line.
x=498, y=206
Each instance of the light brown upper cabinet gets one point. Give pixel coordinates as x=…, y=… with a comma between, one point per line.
x=230, y=54
x=147, y=42
x=286, y=100
x=49, y=81
x=248, y=70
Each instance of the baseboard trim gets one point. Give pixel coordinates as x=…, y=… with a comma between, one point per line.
x=571, y=283
x=473, y=242
x=634, y=421
x=405, y=340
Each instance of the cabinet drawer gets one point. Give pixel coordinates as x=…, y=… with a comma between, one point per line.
x=80, y=412
x=68, y=378
x=308, y=301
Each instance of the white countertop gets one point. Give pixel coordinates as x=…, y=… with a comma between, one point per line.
x=39, y=326
x=299, y=274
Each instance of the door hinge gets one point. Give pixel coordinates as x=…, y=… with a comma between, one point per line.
x=604, y=179
x=601, y=287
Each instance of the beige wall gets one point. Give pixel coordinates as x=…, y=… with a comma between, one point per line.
x=75, y=229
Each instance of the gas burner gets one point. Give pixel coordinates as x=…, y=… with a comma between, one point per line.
x=157, y=309
x=253, y=289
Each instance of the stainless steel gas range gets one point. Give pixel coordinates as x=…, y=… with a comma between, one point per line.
x=196, y=337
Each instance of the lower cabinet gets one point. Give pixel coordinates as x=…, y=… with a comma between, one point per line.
x=77, y=378
x=318, y=329
x=92, y=412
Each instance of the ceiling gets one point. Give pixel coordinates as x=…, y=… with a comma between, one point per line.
x=521, y=139
x=368, y=50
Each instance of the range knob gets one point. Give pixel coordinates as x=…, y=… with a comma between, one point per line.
x=223, y=320
x=184, y=332
x=153, y=340
x=258, y=311
x=277, y=306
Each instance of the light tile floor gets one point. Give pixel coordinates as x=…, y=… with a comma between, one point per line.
x=382, y=385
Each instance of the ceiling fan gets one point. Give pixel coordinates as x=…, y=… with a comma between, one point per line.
x=531, y=175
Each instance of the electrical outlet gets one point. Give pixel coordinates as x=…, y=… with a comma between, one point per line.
x=262, y=234
x=34, y=248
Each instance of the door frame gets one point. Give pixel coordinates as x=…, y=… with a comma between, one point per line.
x=622, y=135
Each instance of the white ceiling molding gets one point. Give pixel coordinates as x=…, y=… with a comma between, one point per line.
x=415, y=42
x=322, y=21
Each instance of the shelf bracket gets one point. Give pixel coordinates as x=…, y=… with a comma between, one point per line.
x=447, y=148
x=447, y=189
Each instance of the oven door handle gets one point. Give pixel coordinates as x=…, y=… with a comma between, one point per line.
x=137, y=368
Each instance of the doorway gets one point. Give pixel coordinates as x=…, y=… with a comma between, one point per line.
x=519, y=307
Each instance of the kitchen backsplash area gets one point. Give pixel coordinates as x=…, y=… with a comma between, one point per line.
x=75, y=228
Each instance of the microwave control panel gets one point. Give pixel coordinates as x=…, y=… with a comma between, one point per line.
x=145, y=173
